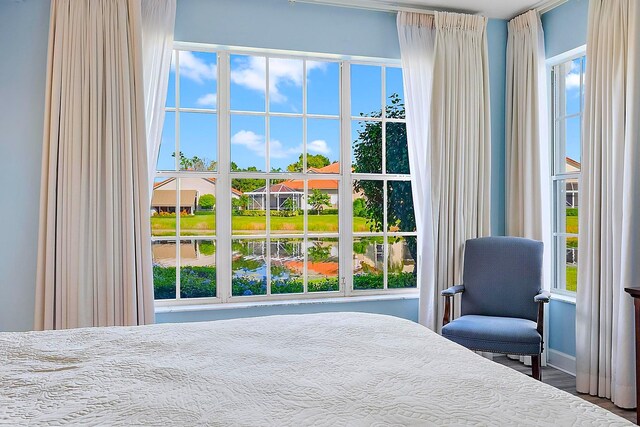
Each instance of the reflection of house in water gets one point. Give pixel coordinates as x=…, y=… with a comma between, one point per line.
x=192, y=253
x=571, y=188
x=164, y=194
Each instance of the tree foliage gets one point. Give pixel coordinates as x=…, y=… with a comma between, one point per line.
x=313, y=161
x=318, y=200
x=207, y=201
x=367, y=150
x=196, y=163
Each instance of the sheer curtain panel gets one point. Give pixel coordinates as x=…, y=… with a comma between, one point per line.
x=158, y=20
x=609, y=242
x=94, y=255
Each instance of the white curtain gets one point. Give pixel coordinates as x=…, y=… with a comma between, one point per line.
x=448, y=131
x=528, y=210
x=416, y=34
x=158, y=18
x=609, y=240
x=94, y=255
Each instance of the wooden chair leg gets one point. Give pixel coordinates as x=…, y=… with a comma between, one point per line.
x=535, y=368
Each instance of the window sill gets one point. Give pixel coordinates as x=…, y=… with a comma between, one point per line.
x=571, y=299
x=241, y=305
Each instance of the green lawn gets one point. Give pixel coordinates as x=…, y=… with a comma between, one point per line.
x=206, y=224
x=572, y=278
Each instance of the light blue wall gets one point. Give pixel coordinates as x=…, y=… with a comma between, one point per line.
x=254, y=23
x=24, y=30
x=562, y=323
x=565, y=28
x=497, y=40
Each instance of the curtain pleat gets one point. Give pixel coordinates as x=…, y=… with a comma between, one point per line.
x=444, y=60
x=94, y=259
x=609, y=235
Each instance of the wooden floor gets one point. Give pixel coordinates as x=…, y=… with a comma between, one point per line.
x=566, y=382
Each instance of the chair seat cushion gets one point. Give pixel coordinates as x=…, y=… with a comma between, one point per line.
x=507, y=335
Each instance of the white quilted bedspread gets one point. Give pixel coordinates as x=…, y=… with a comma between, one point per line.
x=339, y=369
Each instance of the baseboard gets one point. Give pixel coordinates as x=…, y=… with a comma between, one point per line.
x=561, y=361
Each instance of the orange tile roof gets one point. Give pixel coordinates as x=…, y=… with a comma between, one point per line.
x=324, y=268
x=317, y=184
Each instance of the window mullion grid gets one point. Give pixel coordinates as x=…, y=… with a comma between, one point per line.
x=223, y=187
x=345, y=219
x=177, y=179
x=305, y=189
x=268, y=181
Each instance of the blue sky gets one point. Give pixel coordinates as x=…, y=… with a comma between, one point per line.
x=572, y=106
x=198, y=89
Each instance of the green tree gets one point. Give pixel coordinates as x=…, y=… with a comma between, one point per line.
x=367, y=151
x=313, y=161
x=195, y=163
x=207, y=201
x=240, y=203
x=289, y=204
x=318, y=199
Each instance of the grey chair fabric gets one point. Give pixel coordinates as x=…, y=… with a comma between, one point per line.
x=500, y=296
x=495, y=334
x=501, y=277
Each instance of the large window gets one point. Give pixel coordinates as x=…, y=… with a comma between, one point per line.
x=280, y=177
x=567, y=105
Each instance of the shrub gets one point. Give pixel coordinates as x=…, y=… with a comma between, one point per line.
x=572, y=211
x=207, y=201
x=359, y=208
x=207, y=248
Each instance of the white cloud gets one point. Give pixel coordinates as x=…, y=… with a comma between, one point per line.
x=572, y=80
x=208, y=100
x=194, y=68
x=251, y=73
x=318, y=146
x=256, y=143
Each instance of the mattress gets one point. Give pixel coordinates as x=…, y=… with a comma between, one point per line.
x=338, y=369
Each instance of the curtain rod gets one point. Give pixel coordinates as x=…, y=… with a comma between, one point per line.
x=543, y=6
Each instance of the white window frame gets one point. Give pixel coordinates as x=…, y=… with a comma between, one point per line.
x=558, y=173
x=223, y=237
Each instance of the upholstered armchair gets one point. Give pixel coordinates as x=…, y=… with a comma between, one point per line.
x=501, y=299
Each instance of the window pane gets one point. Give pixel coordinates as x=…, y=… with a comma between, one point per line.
x=400, y=214
x=368, y=206
x=249, y=267
x=366, y=146
x=164, y=269
x=248, y=83
x=286, y=204
x=366, y=90
x=401, y=267
x=197, y=269
x=287, y=260
x=323, y=88
x=171, y=86
x=572, y=70
x=567, y=263
x=198, y=141
x=368, y=263
x=249, y=201
x=285, y=85
x=323, y=266
x=163, y=207
x=322, y=205
x=198, y=75
x=166, y=155
x=394, y=93
x=198, y=203
x=572, y=140
x=285, y=143
x=248, y=143
x=323, y=147
x=397, y=149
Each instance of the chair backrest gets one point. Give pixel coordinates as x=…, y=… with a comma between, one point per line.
x=501, y=277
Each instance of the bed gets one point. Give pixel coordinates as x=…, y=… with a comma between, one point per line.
x=333, y=369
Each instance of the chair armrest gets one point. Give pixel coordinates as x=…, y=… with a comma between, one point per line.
x=456, y=289
x=542, y=297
